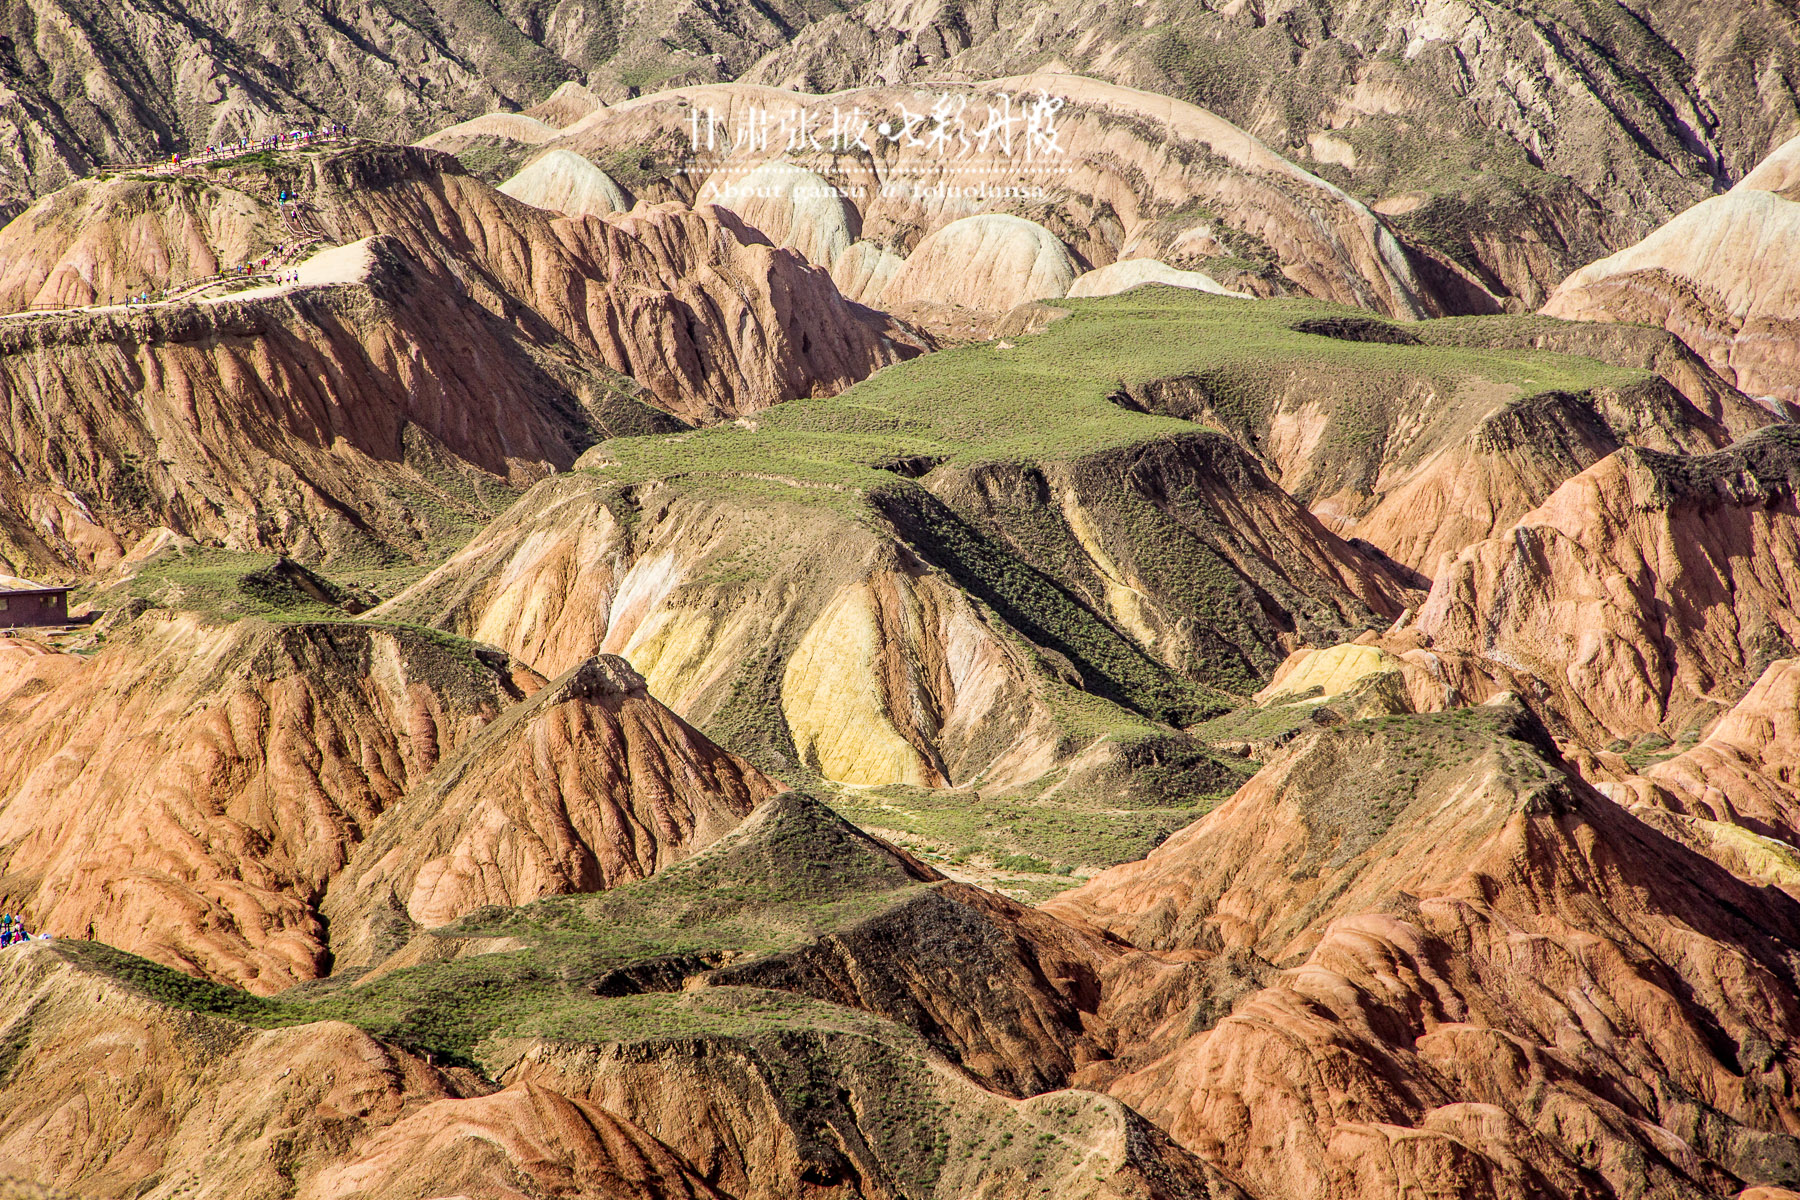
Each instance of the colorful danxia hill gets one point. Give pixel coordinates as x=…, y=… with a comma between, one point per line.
x=876, y=600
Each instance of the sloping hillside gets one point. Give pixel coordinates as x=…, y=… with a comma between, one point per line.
x=440, y=347
x=1513, y=141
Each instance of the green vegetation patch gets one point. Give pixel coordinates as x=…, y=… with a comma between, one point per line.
x=1145, y=782
x=494, y=160
x=897, y=451
x=1651, y=749
x=1256, y=723
x=445, y=1009
x=639, y=165
x=228, y=585
x=967, y=831
x=1358, y=780
x=1048, y=397
x=1111, y=666
x=225, y=586
x=813, y=1057
x=589, y=962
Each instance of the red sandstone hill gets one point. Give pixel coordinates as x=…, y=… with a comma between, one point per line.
x=1643, y=590
x=1494, y=889
x=1718, y=276
x=1413, y=952
x=245, y=766
x=456, y=346
x=1443, y=962
x=588, y=784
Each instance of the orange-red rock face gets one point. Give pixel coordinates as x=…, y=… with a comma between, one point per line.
x=1418, y=954
x=477, y=345
x=1413, y=955
x=1427, y=510
x=1387, y=448
x=692, y=303
x=1486, y=979
x=1746, y=770
x=109, y=1097
x=191, y=793
x=1715, y=277
x=587, y=785
x=1643, y=588
x=364, y=418
x=188, y=793
x=104, y=240
x=1008, y=994
x=521, y=1141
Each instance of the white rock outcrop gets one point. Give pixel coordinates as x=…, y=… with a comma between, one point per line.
x=1128, y=273
x=992, y=262
x=1720, y=276
x=565, y=182
x=862, y=272
x=791, y=205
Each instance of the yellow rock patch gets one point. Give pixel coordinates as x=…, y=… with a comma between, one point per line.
x=675, y=650
x=832, y=699
x=1124, y=601
x=1333, y=671
x=1762, y=859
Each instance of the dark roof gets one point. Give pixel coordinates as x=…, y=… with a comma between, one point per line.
x=45, y=590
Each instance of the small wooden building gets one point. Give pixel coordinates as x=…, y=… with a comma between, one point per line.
x=32, y=605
